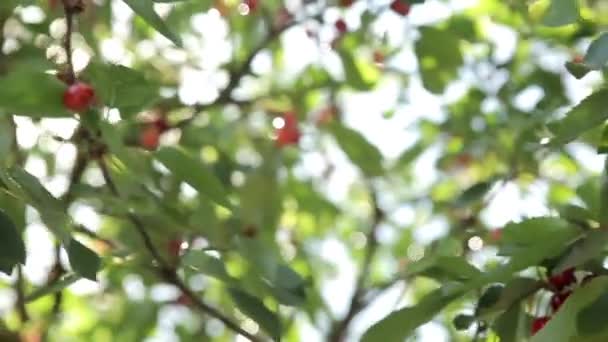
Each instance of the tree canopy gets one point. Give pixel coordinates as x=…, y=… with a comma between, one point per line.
x=344, y=170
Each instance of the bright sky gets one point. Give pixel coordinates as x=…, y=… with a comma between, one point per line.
x=363, y=112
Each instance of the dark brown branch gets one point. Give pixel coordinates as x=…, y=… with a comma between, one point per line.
x=70, y=10
x=166, y=271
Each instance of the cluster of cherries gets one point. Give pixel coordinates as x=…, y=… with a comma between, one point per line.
x=80, y=97
x=562, y=286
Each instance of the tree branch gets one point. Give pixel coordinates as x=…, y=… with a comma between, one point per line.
x=166, y=271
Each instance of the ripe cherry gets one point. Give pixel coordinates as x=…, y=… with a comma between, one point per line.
x=558, y=299
x=252, y=5
x=174, y=247
x=378, y=57
x=496, y=234
x=346, y=3
x=578, y=59
x=560, y=281
x=340, y=25
x=464, y=160
x=150, y=137
x=162, y=124
x=289, y=134
x=538, y=323
x=326, y=115
x=79, y=97
x=184, y=300
x=400, y=7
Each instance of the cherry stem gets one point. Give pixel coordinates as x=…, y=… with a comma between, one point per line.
x=67, y=41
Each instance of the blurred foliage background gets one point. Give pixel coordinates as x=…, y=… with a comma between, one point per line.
x=303, y=170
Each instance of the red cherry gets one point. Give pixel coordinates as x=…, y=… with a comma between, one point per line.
x=289, y=134
x=150, y=137
x=464, y=159
x=538, y=323
x=340, y=25
x=496, y=234
x=79, y=97
x=326, y=115
x=400, y=7
x=346, y=3
x=560, y=281
x=378, y=57
x=184, y=300
x=174, y=247
x=252, y=4
x=558, y=299
x=162, y=124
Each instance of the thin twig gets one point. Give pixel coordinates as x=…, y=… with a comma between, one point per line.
x=166, y=271
x=69, y=10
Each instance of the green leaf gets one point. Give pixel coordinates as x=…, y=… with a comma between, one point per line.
x=288, y=287
x=474, y=194
x=19, y=97
x=256, y=310
x=51, y=210
x=589, y=248
x=603, y=212
x=490, y=297
x=513, y=325
x=533, y=232
x=362, y=153
x=439, y=57
x=145, y=9
x=565, y=324
x=463, y=322
x=602, y=147
x=513, y=292
x=574, y=213
x=57, y=286
x=12, y=248
x=205, y=263
x=443, y=268
x=121, y=87
x=597, y=54
x=359, y=74
x=592, y=319
x=84, y=261
x=400, y=324
x=588, y=114
x=561, y=12
x=190, y=170
x=578, y=70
